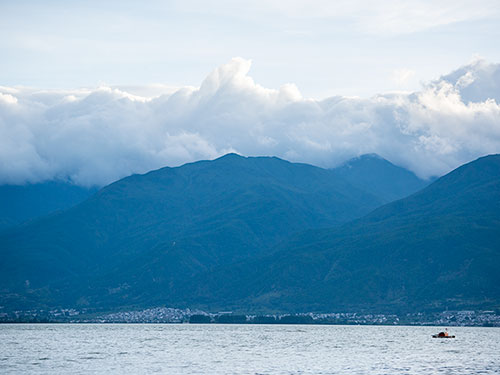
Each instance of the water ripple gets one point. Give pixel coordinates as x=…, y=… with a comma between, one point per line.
x=245, y=350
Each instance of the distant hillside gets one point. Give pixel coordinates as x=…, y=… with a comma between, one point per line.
x=370, y=173
x=222, y=234
x=380, y=177
x=151, y=233
x=437, y=249
x=19, y=203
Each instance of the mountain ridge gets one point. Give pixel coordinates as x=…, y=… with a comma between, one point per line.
x=402, y=256
x=180, y=221
x=246, y=252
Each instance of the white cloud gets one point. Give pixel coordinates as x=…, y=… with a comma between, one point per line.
x=95, y=136
x=477, y=81
x=7, y=99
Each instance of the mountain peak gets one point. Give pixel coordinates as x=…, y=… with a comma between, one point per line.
x=381, y=176
x=370, y=156
x=364, y=158
x=229, y=156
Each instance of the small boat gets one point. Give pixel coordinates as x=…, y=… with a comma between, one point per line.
x=443, y=335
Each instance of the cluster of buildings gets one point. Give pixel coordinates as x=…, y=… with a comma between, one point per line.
x=172, y=315
x=155, y=315
x=462, y=318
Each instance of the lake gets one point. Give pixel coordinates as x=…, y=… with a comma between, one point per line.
x=245, y=349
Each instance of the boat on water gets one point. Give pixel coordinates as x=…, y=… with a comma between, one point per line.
x=443, y=335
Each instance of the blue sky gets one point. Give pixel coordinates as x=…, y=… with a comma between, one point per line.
x=326, y=48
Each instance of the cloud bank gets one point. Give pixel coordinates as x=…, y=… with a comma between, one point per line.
x=96, y=136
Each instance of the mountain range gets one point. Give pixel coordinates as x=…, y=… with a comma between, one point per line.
x=264, y=234
x=437, y=249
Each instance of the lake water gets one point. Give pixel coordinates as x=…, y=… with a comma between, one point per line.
x=244, y=349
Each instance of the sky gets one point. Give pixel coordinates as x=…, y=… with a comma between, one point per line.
x=94, y=91
x=342, y=47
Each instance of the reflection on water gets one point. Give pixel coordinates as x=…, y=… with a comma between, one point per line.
x=245, y=349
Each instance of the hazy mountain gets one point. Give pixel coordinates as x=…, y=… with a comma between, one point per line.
x=157, y=230
x=371, y=173
x=437, y=249
x=19, y=203
x=380, y=177
x=222, y=234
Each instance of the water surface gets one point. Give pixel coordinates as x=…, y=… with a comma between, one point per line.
x=244, y=349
